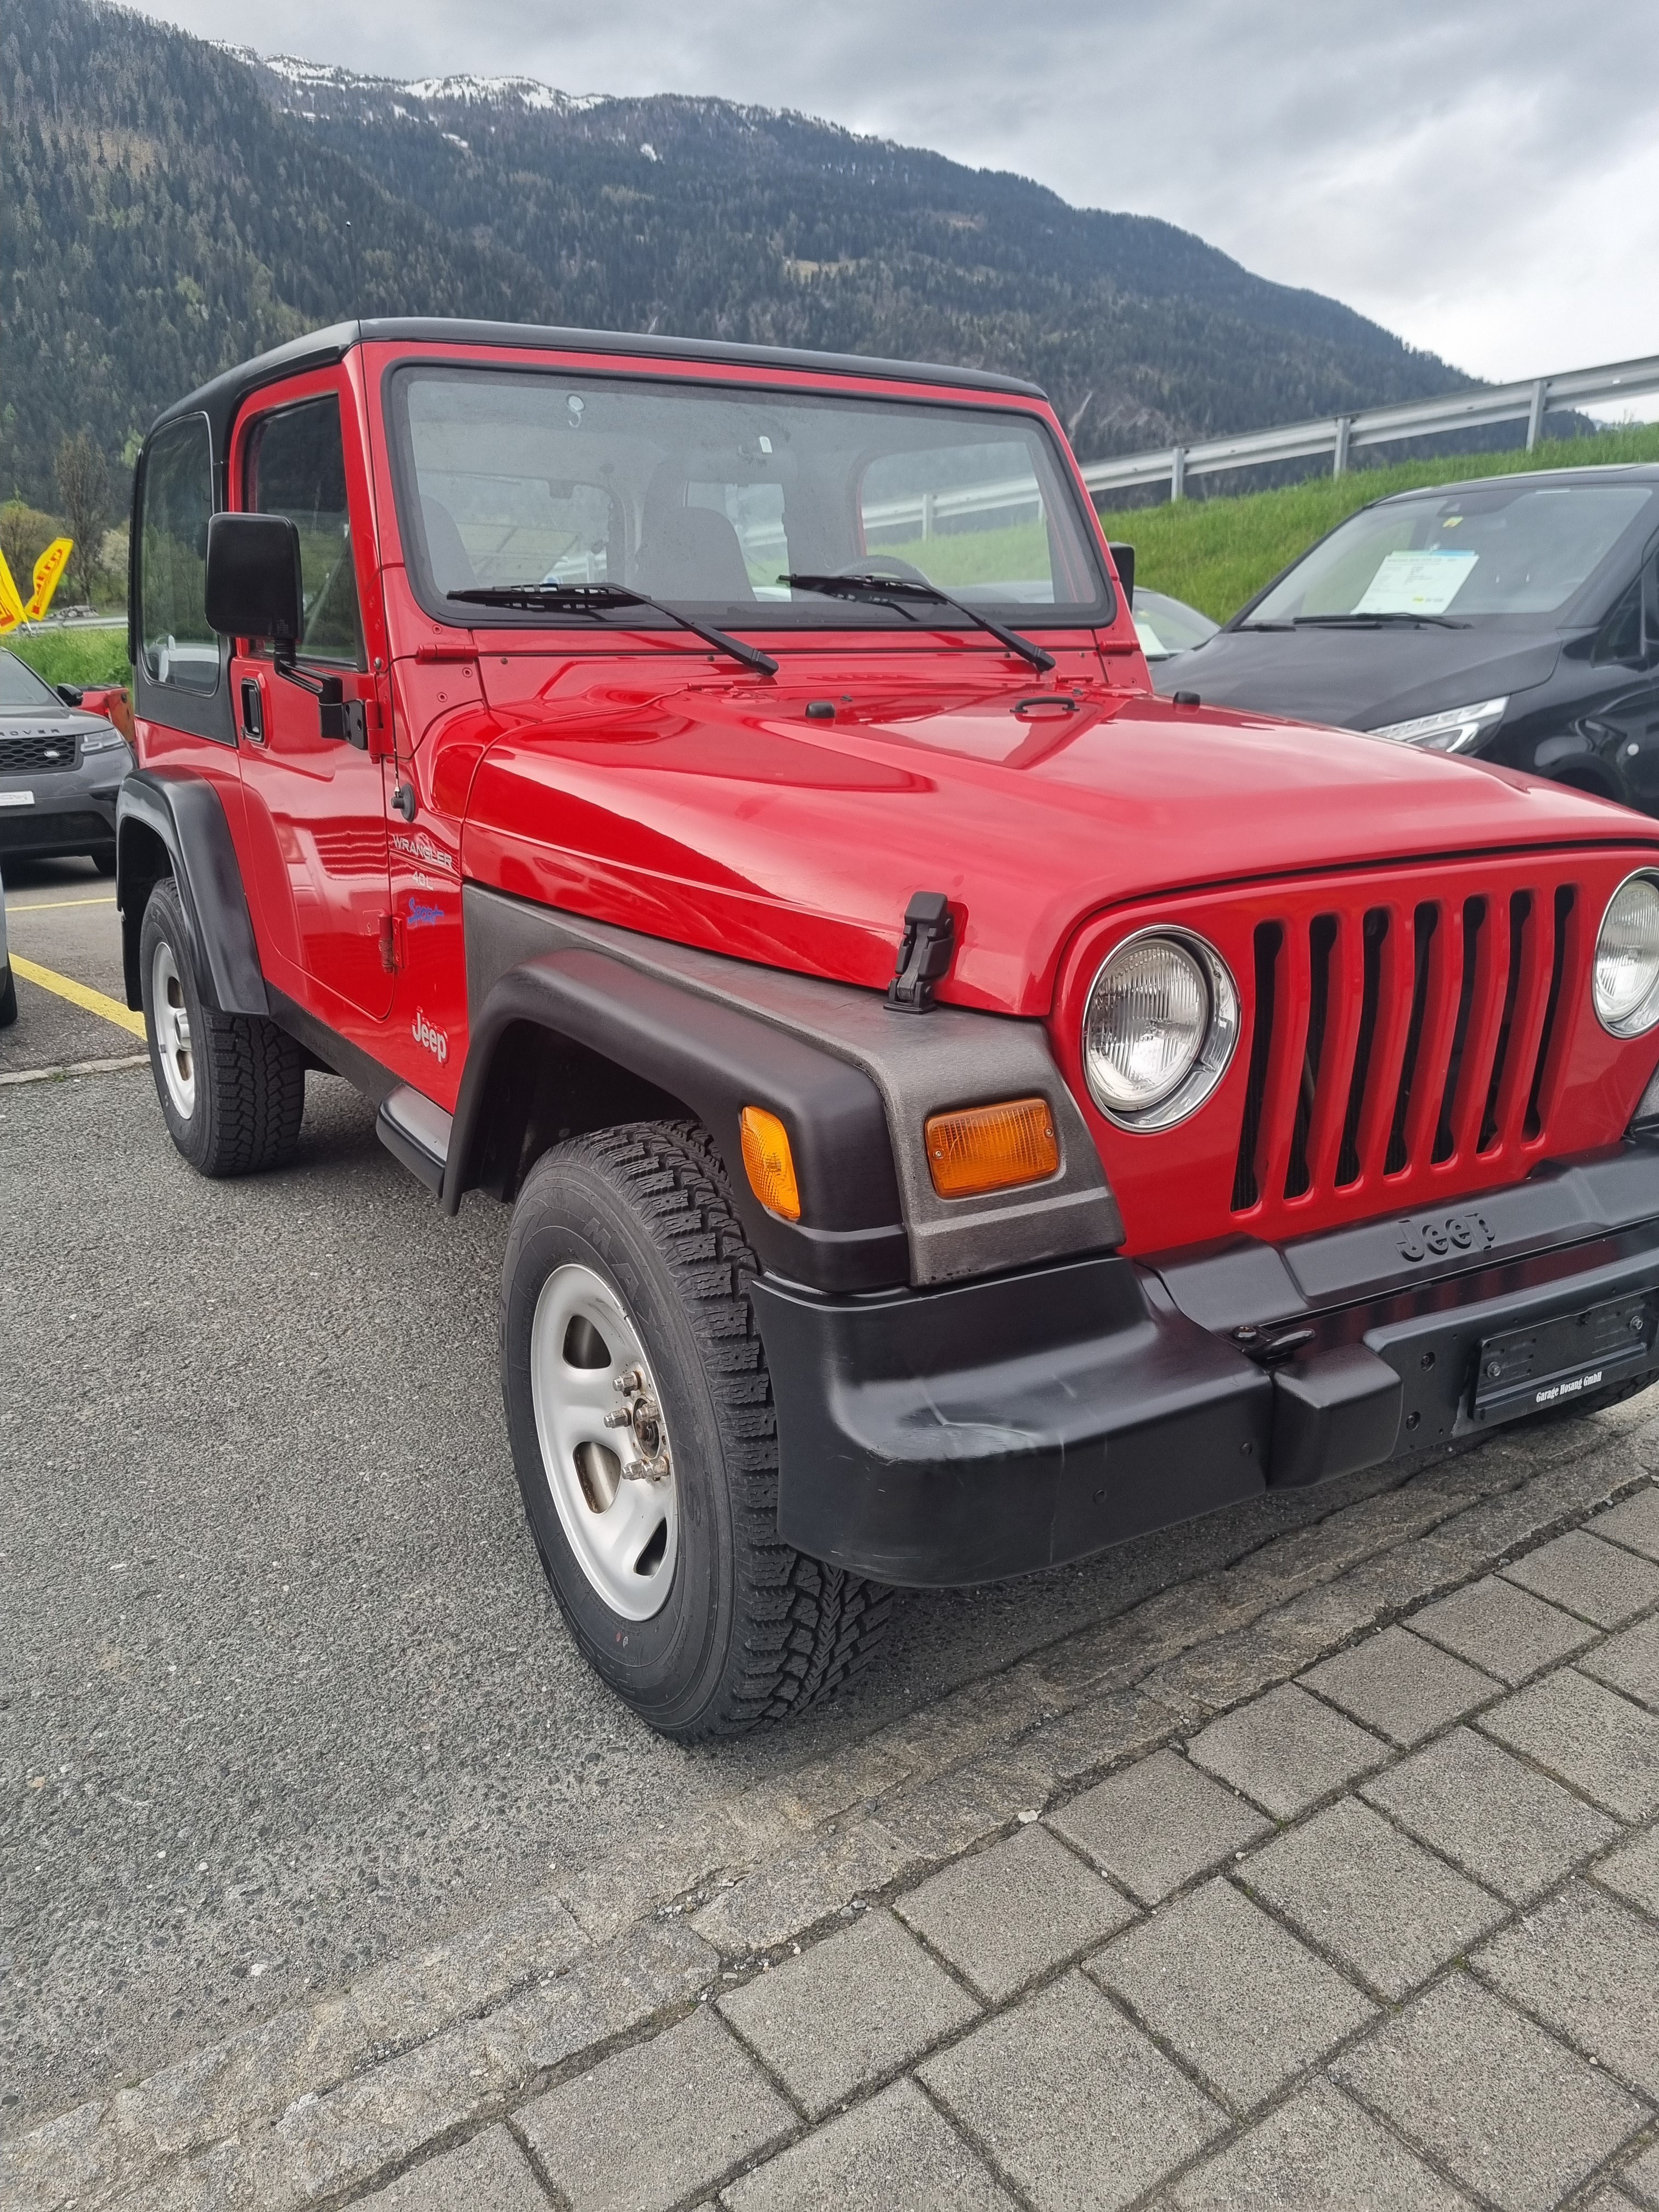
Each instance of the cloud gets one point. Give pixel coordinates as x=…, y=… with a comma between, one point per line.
x=1475, y=174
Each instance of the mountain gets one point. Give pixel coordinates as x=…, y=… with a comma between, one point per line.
x=167, y=207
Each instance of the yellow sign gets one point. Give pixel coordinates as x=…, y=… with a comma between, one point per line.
x=11, y=607
x=48, y=572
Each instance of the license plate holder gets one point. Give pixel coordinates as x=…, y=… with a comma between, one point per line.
x=16, y=798
x=1552, y=1362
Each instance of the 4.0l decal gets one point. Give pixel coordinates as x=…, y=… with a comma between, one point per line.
x=1436, y=1234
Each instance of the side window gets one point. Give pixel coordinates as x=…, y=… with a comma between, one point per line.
x=297, y=467
x=1620, y=637
x=178, y=647
x=1624, y=631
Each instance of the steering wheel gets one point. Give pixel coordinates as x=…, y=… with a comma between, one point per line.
x=884, y=564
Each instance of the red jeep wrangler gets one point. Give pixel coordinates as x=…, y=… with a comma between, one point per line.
x=961, y=1110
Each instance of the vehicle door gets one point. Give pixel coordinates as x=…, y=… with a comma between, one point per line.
x=315, y=784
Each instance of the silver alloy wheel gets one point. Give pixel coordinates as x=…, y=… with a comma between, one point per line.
x=172, y=1018
x=598, y=1417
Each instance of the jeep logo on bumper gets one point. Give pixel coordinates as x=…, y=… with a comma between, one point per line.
x=1436, y=1236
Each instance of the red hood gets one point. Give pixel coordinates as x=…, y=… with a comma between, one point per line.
x=720, y=815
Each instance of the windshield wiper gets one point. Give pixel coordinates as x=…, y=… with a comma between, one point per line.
x=1373, y=621
x=593, y=598
x=896, y=589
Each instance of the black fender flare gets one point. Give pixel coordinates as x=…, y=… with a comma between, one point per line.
x=717, y=1060
x=184, y=817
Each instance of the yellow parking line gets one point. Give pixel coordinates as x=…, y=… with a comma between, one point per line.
x=79, y=995
x=54, y=906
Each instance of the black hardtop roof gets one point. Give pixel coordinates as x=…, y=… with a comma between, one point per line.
x=219, y=398
x=1641, y=472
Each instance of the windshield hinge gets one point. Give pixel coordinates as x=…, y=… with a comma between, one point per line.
x=924, y=953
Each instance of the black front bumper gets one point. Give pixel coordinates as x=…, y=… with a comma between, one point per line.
x=70, y=810
x=991, y=1428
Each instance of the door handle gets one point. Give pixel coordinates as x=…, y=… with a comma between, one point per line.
x=253, y=711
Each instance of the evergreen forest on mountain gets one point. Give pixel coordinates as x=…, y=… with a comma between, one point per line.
x=168, y=207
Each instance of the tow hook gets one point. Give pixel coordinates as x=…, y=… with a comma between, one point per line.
x=642, y=1416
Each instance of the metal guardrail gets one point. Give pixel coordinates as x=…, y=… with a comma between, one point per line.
x=1339, y=435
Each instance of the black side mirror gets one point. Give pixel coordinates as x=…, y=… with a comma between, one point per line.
x=70, y=694
x=253, y=586
x=1123, y=560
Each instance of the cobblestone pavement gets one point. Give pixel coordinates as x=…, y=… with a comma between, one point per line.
x=1329, y=1879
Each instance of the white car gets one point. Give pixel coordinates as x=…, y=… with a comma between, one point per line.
x=1166, y=627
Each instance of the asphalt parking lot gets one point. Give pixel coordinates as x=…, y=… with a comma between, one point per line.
x=282, y=1689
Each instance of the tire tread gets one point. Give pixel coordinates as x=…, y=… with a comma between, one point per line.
x=804, y=1628
x=250, y=1075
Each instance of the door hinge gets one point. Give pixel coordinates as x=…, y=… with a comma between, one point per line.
x=344, y=718
x=392, y=943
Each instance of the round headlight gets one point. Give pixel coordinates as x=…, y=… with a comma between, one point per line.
x=1627, y=959
x=1159, y=1029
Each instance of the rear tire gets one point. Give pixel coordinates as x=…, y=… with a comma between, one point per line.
x=8, y=999
x=677, y=1587
x=232, y=1086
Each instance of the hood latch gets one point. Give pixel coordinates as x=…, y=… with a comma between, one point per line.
x=924, y=953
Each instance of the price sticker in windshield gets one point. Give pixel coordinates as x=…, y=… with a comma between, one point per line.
x=1416, y=583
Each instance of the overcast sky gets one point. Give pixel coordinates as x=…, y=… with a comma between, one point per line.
x=1482, y=176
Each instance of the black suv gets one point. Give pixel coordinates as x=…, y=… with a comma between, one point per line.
x=60, y=771
x=1516, y=617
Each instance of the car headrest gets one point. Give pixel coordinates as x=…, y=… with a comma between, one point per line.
x=446, y=556
x=693, y=553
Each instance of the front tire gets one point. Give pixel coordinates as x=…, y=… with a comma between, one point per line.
x=232, y=1086
x=8, y=999
x=624, y=1291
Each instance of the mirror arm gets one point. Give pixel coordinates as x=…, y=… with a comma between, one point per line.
x=325, y=688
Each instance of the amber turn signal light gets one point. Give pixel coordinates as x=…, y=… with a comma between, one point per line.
x=984, y=1148
x=768, y=1162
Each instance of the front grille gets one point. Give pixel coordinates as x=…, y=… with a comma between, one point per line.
x=30, y=751
x=1395, y=1038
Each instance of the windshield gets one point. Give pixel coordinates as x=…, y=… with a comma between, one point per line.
x=20, y=688
x=1503, y=549
x=708, y=498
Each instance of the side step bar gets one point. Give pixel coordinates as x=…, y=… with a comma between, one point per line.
x=416, y=1131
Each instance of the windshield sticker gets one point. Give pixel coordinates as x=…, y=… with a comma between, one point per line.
x=1416, y=583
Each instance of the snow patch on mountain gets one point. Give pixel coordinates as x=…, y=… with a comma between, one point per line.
x=503, y=91
x=299, y=75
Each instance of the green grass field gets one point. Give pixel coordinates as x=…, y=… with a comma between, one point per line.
x=74, y=656
x=1216, y=553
